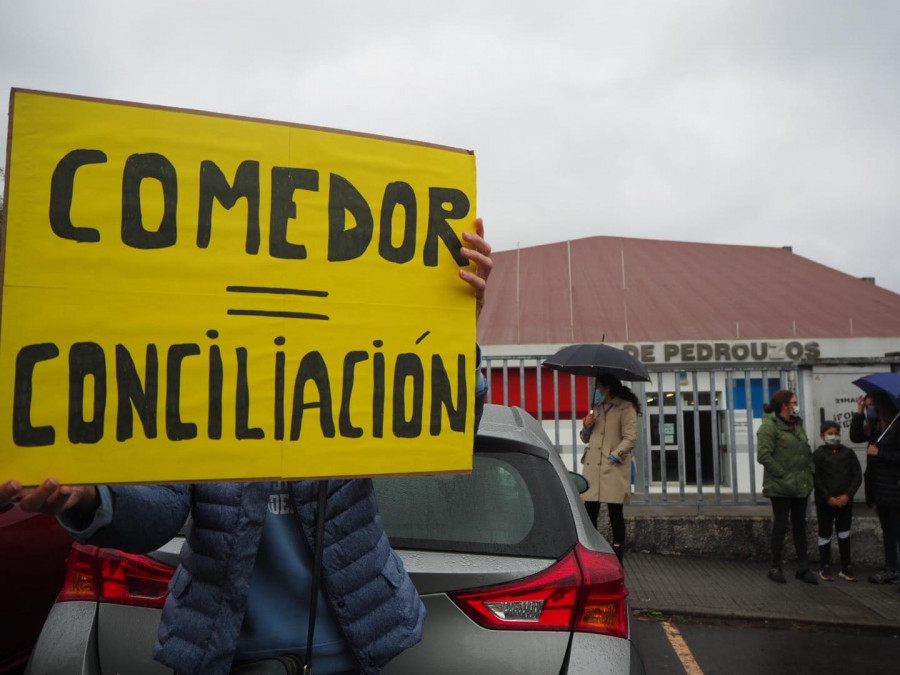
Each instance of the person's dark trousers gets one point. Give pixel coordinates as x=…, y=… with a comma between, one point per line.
x=889, y=517
x=833, y=518
x=844, y=548
x=795, y=509
x=616, y=520
x=593, y=509
x=825, y=517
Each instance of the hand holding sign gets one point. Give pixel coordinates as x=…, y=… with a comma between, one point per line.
x=480, y=254
x=49, y=497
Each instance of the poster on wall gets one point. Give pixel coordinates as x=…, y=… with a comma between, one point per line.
x=193, y=296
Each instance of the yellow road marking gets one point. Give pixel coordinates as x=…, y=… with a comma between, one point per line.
x=681, y=649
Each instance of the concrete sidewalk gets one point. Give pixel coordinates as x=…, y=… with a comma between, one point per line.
x=739, y=589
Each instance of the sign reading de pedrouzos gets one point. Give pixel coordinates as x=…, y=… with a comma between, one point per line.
x=719, y=352
x=190, y=296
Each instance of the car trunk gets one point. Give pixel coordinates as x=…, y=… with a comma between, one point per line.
x=503, y=524
x=453, y=642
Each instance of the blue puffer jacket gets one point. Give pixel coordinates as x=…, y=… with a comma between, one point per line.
x=370, y=594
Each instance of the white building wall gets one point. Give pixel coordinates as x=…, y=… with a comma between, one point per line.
x=825, y=388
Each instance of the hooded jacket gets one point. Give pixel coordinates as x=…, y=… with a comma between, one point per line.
x=785, y=455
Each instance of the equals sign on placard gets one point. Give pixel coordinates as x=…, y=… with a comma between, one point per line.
x=270, y=290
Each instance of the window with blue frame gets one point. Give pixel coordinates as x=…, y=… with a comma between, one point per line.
x=737, y=395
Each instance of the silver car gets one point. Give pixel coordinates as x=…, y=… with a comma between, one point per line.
x=514, y=577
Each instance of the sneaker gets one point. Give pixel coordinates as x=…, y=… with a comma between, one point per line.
x=885, y=576
x=776, y=575
x=806, y=577
x=847, y=574
x=825, y=573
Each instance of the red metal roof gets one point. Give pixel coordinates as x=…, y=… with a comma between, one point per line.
x=644, y=290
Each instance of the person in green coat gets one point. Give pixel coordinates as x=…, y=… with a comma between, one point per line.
x=783, y=449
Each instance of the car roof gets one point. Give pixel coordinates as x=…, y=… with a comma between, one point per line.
x=509, y=427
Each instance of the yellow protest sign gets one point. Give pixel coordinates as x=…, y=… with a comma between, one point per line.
x=189, y=296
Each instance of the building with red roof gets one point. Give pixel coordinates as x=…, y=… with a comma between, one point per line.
x=720, y=327
x=628, y=290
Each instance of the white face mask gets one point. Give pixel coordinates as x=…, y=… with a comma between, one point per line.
x=795, y=411
x=831, y=439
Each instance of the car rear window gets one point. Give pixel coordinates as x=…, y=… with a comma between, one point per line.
x=511, y=504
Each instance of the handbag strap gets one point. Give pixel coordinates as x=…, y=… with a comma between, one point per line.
x=316, y=575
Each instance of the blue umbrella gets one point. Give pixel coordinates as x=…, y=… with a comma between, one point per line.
x=886, y=383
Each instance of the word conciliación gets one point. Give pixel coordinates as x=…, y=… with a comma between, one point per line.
x=299, y=383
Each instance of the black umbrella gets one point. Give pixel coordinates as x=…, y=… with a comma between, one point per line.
x=594, y=359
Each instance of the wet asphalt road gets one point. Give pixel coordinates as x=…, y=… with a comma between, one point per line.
x=669, y=645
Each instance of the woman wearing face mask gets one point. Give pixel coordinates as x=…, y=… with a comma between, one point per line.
x=783, y=449
x=610, y=430
x=875, y=424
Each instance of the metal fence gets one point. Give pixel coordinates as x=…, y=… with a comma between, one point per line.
x=696, y=434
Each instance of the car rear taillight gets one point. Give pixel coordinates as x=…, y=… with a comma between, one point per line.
x=108, y=575
x=583, y=592
x=603, y=608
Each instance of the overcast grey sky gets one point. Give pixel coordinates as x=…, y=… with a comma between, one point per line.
x=760, y=122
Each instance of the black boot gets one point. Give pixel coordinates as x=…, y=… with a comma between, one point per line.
x=846, y=572
x=825, y=561
x=844, y=548
x=619, y=550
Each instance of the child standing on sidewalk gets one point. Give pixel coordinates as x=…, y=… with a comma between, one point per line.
x=837, y=478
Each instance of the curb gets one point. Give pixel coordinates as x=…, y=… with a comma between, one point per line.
x=888, y=628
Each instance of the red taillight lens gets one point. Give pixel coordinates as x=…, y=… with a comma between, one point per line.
x=584, y=591
x=603, y=608
x=108, y=575
x=545, y=601
x=81, y=581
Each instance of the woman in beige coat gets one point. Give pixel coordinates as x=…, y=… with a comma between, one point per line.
x=610, y=430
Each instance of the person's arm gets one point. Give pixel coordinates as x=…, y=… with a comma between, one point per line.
x=855, y=476
x=765, y=449
x=623, y=449
x=857, y=432
x=82, y=525
x=818, y=473
x=587, y=426
x=138, y=518
x=144, y=517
